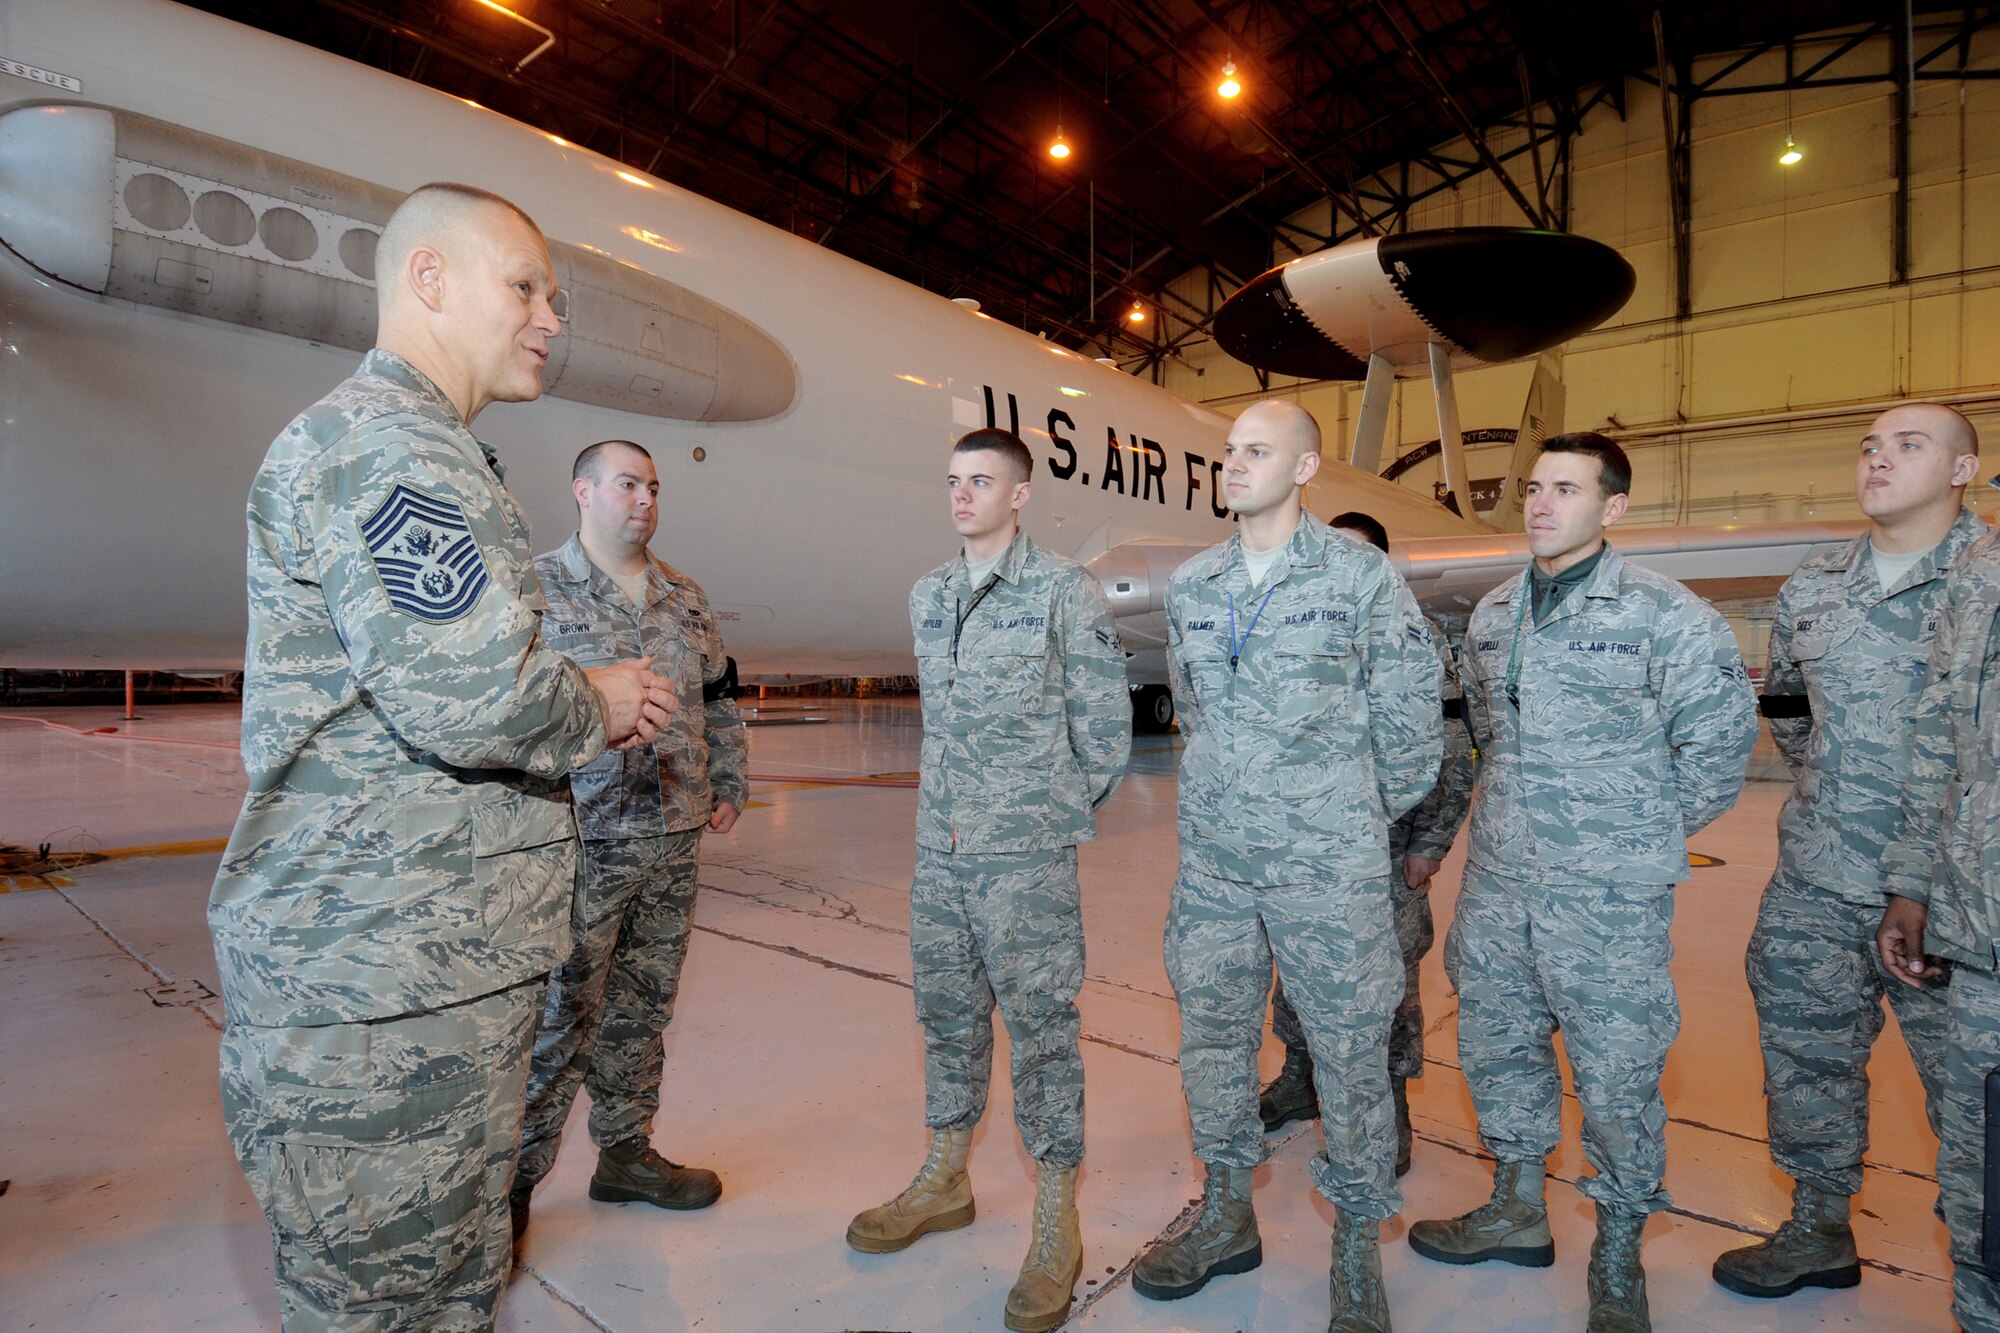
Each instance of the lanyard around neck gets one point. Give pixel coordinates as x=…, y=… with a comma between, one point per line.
x=1236, y=645
x=965, y=613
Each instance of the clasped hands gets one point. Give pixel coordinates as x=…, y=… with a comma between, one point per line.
x=636, y=703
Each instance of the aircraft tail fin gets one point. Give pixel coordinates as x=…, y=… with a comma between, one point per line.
x=1541, y=417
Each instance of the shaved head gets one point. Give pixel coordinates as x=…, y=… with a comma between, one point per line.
x=464, y=287
x=1947, y=425
x=1911, y=473
x=1271, y=451
x=438, y=215
x=1282, y=421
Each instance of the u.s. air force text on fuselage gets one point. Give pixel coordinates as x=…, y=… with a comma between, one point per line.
x=1134, y=467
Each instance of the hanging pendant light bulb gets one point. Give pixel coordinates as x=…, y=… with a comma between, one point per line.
x=1137, y=314
x=1060, y=148
x=1791, y=157
x=1229, y=87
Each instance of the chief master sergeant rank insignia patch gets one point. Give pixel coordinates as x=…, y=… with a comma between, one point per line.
x=425, y=555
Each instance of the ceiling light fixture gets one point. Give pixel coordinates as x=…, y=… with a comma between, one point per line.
x=1229, y=87
x=1137, y=314
x=548, y=38
x=1791, y=157
x=1060, y=148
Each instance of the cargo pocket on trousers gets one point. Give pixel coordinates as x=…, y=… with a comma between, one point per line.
x=524, y=854
x=362, y=1222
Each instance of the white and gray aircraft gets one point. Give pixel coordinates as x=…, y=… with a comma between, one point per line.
x=189, y=210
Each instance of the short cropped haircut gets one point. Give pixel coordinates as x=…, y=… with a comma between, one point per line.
x=590, y=463
x=1003, y=442
x=1968, y=441
x=427, y=208
x=1965, y=424
x=1365, y=524
x=1614, y=469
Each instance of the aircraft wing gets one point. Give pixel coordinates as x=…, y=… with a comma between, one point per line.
x=1731, y=562
x=1743, y=562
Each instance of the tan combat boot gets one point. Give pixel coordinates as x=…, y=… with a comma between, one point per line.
x=1617, y=1282
x=1814, y=1248
x=1360, y=1305
x=1222, y=1240
x=1512, y=1226
x=939, y=1199
x=1041, y=1295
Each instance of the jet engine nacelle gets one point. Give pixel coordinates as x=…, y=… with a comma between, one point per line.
x=138, y=210
x=1134, y=575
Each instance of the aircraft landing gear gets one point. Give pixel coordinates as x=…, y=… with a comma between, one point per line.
x=1152, y=709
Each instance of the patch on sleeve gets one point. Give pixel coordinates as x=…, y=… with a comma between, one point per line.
x=425, y=555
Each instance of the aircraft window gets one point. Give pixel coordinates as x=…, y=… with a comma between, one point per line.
x=157, y=202
x=224, y=218
x=357, y=251
x=288, y=234
x=560, y=304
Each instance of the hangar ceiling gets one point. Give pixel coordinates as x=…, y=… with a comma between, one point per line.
x=912, y=134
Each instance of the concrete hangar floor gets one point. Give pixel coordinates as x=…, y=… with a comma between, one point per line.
x=793, y=1068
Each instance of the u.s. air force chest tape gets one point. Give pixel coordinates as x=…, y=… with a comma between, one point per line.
x=424, y=552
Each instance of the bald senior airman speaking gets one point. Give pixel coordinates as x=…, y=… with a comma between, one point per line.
x=1307, y=688
x=1027, y=728
x=1848, y=650
x=1613, y=719
x=398, y=883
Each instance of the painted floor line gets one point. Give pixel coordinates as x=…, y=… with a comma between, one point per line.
x=23, y=871
x=192, y=1000
x=563, y=1298
x=791, y=951
x=1737, y=1134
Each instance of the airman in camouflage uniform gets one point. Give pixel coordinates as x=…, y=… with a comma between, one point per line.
x=1418, y=844
x=1613, y=719
x=1852, y=635
x=642, y=813
x=1027, y=728
x=398, y=881
x=1308, y=695
x=1943, y=877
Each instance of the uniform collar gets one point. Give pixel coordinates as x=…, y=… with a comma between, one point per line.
x=1849, y=558
x=1013, y=560
x=574, y=568
x=1844, y=558
x=381, y=363
x=1605, y=581
x=1305, y=549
